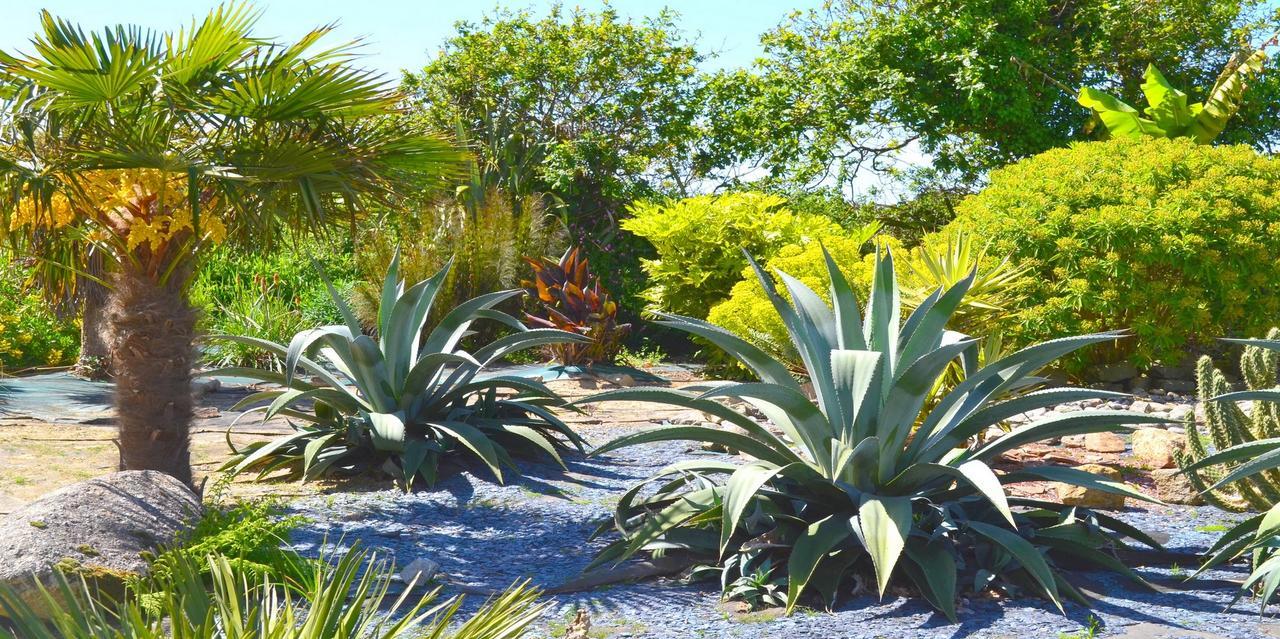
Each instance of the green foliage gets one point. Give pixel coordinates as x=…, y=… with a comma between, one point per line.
x=348, y=599
x=847, y=87
x=1230, y=425
x=272, y=295
x=591, y=108
x=31, y=334
x=699, y=243
x=1168, y=115
x=483, y=237
x=250, y=535
x=853, y=485
x=569, y=297
x=403, y=402
x=1172, y=240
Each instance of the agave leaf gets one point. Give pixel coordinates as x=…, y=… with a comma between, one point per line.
x=444, y=337
x=677, y=513
x=1077, y=477
x=929, y=323
x=391, y=289
x=476, y=441
x=387, y=430
x=881, y=327
x=1239, y=452
x=884, y=523
x=1025, y=554
x=765, y=367
x=739, y=492
x=933, y=570
x=818, y=540
x=1077, y=423
x=848, y=318
x=1266, y=461
x=996, y=413
x=856, y=376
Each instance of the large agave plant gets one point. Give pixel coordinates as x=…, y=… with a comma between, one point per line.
x=402, y=401
x=348, y=599
x=848, y=485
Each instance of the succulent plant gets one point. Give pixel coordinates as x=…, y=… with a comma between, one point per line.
x=403, y=401
x=857, y=474
x=570, y=298
x=1230, y=425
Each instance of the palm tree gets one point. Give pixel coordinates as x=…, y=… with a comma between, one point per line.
x=155, y=147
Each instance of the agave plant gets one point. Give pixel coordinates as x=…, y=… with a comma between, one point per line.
x=572, y=299
x=349, y=599
x=402, y=401
x=849, y=485
x=1250, y=466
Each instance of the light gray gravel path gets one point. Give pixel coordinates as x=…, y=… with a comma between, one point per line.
x=488, y=536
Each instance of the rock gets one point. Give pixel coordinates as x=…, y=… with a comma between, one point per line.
x=1140, y=406
x=202, y=386
x=420, y=571
x=1180, y=412
x=1178, y=385
x=1173, y=487
x=1173, y=372
x=1140, y=383
x=1087, y=497
x=1104, y=443
x=580, y=627
x=99, y=529
x=1073, y=441
x=1115, y=372
x=1155, y=447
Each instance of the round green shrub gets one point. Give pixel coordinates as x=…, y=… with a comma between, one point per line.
x=1175, y=241
x=699, y=243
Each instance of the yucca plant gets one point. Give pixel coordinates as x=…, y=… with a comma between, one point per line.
x=349, y=599
x=570, y=298
x=402, y=401
x=851, y=486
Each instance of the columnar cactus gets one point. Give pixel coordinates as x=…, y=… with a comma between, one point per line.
x=1229, y=425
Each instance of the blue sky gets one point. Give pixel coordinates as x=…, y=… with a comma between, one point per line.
x=404, y=33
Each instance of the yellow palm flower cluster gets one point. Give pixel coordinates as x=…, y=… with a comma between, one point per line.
x=141, y=207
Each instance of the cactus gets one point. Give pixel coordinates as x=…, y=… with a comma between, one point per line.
x=1230, y=425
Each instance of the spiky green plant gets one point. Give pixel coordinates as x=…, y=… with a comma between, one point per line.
x=349, y=599
x=403, y=401
x=1229, y=425
x=851, y=486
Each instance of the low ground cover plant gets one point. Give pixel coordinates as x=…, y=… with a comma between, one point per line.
x=865, y=479
x=402, y=402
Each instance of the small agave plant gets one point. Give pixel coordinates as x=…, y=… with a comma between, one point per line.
x=402, y=401
x=862, y=477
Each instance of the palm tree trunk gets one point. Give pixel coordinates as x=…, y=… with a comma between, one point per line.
x=95, y=341
x=152, y=332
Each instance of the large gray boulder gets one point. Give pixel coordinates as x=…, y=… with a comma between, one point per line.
x=101, y=529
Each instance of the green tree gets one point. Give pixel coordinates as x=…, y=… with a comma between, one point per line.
x=157, y=147
x=589, y=108
x=847, y=87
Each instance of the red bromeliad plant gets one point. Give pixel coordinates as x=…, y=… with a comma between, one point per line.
x=571, y=299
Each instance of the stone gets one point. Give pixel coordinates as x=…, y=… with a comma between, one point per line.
x=1173, y=372
x=1180, y=412
x=1140, y=406
x=1073, y=441
x=1173, y=487
x=420, y=571
x=1178, y=385
x=202, y=386
x=1072, y=495
x=1155, y=447
x=1140, y=383
x=100, y=529
x=1115, y=372
x=1104, y=443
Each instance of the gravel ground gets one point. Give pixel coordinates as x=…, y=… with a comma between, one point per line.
x=488, y=536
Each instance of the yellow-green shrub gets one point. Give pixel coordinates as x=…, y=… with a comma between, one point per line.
x=699, y=243
x=1178, y=242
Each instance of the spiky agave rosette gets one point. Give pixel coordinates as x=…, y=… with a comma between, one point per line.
x=402, y=401
x=861, y=478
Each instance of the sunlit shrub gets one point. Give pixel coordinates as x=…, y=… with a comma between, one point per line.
x=31, y=334
x=1174, y=241
x=700, y=241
